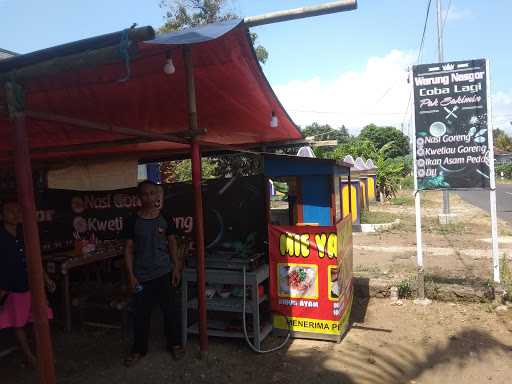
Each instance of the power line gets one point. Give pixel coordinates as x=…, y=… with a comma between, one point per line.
x=446, y=15
x=424, y=32
x=420, y=51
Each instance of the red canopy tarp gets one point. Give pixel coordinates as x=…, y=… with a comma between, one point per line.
x=234, y=99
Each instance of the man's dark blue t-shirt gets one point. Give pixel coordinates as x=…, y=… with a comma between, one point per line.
x=13, y=263
x=151, y=247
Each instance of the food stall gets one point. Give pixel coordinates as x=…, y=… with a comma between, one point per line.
x=243, y=225
x=131, y=94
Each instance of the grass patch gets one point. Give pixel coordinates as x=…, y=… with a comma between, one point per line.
x=405, y=289
x=504, y=231
x=506, y=277
x=407, y=224
x=367, y=268
x=451, y=229
x=402, y=200
x=431, y=288
x=431, y=225
x=368, y=217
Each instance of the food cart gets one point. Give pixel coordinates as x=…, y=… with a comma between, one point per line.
x=270, y=243
x=311, y=255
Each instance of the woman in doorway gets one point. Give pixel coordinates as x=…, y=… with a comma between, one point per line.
x=15, y=298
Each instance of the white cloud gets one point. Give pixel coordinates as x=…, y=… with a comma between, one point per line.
x=455, y=13
x=378, y=93
x=502, y=110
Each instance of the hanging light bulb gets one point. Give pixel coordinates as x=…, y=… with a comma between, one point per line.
x=274, y=122
x=169, y=67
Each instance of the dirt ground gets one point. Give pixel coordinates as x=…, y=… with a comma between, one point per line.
x=458, y=252
x=440, y=343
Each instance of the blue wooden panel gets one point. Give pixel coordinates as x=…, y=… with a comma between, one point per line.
x=297, y=167
x=316, y=200
x=153, y=170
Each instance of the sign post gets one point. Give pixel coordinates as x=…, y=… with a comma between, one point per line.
x=492, y=193
x=419, y=241
x=453, y=144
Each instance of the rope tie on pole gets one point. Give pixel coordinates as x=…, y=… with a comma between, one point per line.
x=15, y=97
x=124, y=46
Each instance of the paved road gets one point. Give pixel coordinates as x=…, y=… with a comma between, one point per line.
x=503, y=200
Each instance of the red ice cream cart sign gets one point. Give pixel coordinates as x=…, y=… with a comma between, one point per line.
x=311, y=279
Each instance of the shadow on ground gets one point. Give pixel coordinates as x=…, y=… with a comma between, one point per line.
x=94, y=356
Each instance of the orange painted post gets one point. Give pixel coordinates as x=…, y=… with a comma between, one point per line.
x=23, y=171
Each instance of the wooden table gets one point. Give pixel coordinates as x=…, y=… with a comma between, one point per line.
x=62, y=263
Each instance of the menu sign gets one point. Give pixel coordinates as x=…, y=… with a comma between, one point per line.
x=65, y=215
x=452, y=135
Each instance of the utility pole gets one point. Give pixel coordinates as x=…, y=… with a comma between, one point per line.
x=440, y=58
x=439, y=32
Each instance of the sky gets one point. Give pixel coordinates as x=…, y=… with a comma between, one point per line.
x=349, y=68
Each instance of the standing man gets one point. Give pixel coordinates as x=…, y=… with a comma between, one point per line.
x=154, y=271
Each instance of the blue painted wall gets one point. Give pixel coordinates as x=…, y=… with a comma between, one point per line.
x=153, y=170
x=316, y=199
x=296, y=166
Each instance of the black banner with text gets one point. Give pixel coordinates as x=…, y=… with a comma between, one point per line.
x=233, y=213
x=452, y=136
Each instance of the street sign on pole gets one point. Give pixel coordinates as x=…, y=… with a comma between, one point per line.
x=453, y=143
x=451, y=119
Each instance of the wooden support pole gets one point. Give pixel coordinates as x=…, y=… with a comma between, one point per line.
x=105, y=127
x=191, y=89
x=23, y=170
x=200, y=247
x=198, y=202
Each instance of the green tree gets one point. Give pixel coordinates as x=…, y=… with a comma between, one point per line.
x=326, y=132
x=181, y=170
x=381, y=136
x=502, y=140
x=357, y=148
x=389, y=171
x=180, y=14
